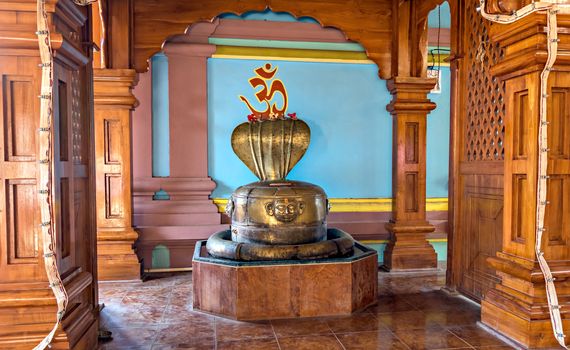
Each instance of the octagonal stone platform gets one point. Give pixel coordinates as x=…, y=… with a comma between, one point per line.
x=284, y=289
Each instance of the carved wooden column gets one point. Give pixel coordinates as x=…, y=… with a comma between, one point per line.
x=114, y=102
x=408, y=247
x=517, y=306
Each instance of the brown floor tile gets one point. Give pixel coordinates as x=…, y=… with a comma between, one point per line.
x=121, y=347
x=454, y=317
x=193, y=344
x=476, y=336
x=177, y=314
x=391, y=303
x=440, y=301
x=431, y=338
x=355, y=323
x=130, y=339
x=322, y=342
x=381, y=340
x=184, y=334
x=253, y=344
x=228, y=330
x=404, y=320
x=135, y=315
x=289, y=328
x=158, y=314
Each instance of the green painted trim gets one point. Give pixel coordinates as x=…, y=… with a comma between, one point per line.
x=284, y=44
x=439, y=247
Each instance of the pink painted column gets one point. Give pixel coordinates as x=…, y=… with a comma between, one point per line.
x=188, y=99
x=189, y=215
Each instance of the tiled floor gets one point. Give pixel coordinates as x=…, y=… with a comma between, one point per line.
x=411, y=314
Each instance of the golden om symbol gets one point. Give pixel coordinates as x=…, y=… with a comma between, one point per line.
x=262, y=76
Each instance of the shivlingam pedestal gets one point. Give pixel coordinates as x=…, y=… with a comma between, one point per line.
x=279, y=259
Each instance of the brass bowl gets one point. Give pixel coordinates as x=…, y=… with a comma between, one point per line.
x=278, y=212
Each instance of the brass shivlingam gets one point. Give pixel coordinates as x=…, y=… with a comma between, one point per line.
x=279, y=259
x=275, y=218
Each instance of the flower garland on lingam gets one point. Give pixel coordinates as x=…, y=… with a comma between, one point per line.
x=264, y=75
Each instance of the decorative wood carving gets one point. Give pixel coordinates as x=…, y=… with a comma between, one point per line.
x=114, y=101
x=408, y=247
x=368, y=22
x=27, y=304
x=517, y=306
x=477, y=153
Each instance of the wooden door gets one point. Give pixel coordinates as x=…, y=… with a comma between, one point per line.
x=22, y=272
x=479, y=131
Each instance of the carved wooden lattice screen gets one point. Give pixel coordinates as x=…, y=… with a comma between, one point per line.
x=485, y=129
x=479, y=200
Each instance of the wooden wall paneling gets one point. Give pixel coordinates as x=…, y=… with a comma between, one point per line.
x=27, y=305
x=367, y=22
x=117, y=259
x=517, y=305
x=477, y=155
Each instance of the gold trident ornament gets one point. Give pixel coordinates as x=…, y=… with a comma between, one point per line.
x=263, y=76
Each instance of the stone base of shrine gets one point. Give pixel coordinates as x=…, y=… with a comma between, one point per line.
x=284, y=289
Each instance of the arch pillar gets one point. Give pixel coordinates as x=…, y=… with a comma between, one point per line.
x=408, y=247
x=114, y=102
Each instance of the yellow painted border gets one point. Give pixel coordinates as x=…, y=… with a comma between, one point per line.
x=282, y=52
x=384, y=241
x=293, y=59
x=351, y=205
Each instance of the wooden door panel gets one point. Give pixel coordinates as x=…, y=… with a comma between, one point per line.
x=20, y=248
x=480, y=133
x=482, y=204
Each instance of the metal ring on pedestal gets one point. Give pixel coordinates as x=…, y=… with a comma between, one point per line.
x=338, y=243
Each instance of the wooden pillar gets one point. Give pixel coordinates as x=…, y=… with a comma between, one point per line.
x=27, y=304
x=408, y=247
x=517, y=306
x=114, y=102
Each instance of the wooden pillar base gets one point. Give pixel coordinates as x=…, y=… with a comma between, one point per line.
x=528, y=332
x=408, y=248
x=116, y=257
x=517, y=306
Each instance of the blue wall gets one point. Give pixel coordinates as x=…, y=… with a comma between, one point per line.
x=437, y=162
x=345, y=107
x=343, y=103
x=267, y=15
x=444, y=18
